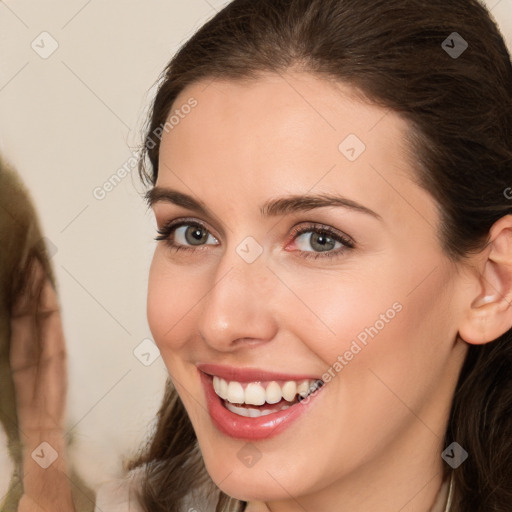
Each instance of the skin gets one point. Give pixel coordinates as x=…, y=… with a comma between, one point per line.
x=40, y=376
x=372, y=438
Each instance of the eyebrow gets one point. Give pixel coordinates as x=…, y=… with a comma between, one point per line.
x=271, y=208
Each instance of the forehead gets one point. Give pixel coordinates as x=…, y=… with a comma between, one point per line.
x=288, y=133
x=295, y=102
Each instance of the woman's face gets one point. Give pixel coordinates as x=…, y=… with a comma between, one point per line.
x=350, y=286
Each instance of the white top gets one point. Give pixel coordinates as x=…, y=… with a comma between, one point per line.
x=117, y=496
x=121, y=496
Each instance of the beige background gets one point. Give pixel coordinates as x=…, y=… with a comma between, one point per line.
x=68, y=122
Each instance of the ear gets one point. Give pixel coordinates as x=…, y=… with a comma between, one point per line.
x=489, y=314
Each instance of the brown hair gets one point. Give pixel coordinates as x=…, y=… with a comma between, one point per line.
x=25, y=265
x=459, y=110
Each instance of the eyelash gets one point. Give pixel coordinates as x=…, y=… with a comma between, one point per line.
x=323, y=230
x=165, y=232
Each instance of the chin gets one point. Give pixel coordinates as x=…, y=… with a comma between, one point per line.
x=264, y=481
x=253, y=487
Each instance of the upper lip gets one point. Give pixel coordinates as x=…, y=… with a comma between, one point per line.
x=232, y=373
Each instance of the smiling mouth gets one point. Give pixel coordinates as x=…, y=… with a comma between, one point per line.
x=252, y=403
x=260, y=398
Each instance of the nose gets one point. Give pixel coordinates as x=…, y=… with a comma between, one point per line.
x=238, y=309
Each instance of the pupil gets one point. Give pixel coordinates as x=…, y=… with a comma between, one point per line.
x=324, y=242
x=195, y=235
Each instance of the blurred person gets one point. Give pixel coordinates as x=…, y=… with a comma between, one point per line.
x=33, y=368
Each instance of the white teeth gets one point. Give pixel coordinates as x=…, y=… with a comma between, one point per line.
x=303, y=388
x=216, y=386
x=289, y=391
x=273, y=393
x=255, y=394
x=223, y=389
x=235, y=393
x=252, y=413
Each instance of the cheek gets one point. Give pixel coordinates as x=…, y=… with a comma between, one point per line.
x=405, y=343
x=171, y=299
x=341, y=314
x=391, y=326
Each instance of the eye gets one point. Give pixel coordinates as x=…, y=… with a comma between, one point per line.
x=191, y=235
x=324, y=240
x=184, y=235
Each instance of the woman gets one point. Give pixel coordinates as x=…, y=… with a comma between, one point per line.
x=331, y=288
x=33, y=369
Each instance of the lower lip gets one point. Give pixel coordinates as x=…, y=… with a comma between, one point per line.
x=251, y=429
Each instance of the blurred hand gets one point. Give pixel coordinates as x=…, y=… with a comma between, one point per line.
x=38, y=363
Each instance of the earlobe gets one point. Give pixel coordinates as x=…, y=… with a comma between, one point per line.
x=489, y=314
